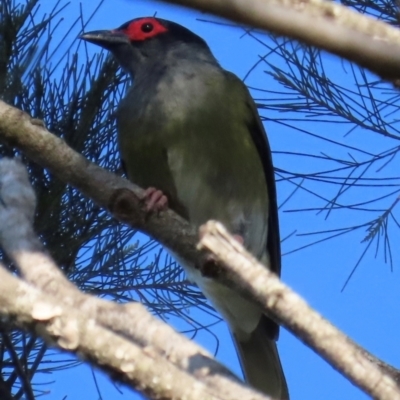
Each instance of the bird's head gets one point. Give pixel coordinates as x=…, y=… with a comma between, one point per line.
x=142, y=41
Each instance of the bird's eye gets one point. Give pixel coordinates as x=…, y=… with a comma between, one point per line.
x=147, y=27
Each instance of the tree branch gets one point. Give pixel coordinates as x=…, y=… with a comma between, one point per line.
x=328, y=25
x=132, y=321
x=105, y=188
x=243, y=273
x=73, y=331
x=121, y=197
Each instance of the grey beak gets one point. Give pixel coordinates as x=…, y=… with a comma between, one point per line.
x=105, y=39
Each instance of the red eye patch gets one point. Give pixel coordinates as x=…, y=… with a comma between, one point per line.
x=143, y=29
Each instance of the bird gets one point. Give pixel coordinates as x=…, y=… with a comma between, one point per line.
x=189, y=133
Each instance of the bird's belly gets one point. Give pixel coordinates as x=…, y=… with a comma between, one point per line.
x=209, y=194
x=241, y=315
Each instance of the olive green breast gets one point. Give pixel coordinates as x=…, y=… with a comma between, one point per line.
x=188, y=135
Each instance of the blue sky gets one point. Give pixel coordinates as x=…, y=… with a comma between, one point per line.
x=368, y=310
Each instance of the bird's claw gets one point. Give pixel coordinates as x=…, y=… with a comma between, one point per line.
x=155, y=200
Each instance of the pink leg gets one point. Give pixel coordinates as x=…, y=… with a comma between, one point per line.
x=155, y=200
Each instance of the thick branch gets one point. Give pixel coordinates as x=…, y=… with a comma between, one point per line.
x=17, y=129
x=109, y=191
x=73, y=331
x=242, y=272
x=18, y=240
x=324, y=24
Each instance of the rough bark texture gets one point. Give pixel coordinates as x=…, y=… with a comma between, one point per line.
x=263, y=287
x=328, y=25
x=125, y=340
x=132, y=321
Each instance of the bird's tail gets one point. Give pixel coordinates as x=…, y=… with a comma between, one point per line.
x=261, y=364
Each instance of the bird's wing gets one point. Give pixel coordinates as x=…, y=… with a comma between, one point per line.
x=260, y=139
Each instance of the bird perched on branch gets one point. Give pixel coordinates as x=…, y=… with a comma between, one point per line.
x=189, y=133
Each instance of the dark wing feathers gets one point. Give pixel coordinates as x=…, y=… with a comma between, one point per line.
x=260, y=139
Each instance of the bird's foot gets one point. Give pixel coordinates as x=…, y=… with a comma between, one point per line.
x=155, y=200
